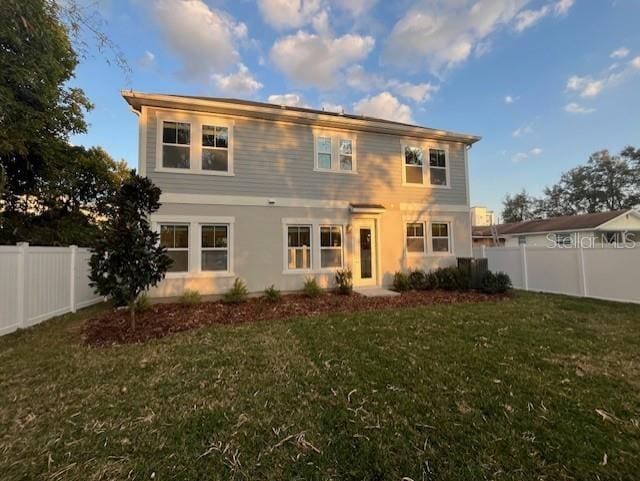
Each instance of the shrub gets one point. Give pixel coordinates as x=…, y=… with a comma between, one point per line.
x=272, y=294
x=416, y=280
x=311, y=287
x=344, y=281
x=401, y=282
x=190, y=297
x=237, y=294
x=452, y=279
x=430, y=281
x=142, y=302
x=495, y=283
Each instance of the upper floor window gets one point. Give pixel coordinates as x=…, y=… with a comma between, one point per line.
x=175, y=238
x=335, y=153
x=176, y=139
x=215, y=148
x=194, y=143
x=417, y=172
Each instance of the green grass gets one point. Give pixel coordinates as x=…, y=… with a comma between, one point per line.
x=503, y=390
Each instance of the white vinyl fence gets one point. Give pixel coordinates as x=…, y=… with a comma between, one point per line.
x=37, y=283
x=611, y=273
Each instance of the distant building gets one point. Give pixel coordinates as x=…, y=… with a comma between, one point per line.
x=481, y=216
x=574, y=230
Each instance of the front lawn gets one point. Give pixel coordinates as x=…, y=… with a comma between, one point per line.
x=535, y=387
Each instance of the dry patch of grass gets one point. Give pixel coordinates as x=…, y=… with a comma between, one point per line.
x=536, y=387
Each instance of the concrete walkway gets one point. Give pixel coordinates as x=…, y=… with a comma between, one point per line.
x=375, y=292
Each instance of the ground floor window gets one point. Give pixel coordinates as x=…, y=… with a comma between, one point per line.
x=440, y=241
x=299, y=247
x=330, y=246
x=415, y=237
x=175, y=238
x=214, y=247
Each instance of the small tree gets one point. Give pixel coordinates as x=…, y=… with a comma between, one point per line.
x=127, y=258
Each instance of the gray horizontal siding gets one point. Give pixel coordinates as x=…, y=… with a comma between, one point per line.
x=276, y=159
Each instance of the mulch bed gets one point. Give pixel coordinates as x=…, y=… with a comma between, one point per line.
x=161, y=320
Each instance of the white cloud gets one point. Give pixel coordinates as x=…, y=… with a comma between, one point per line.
x=524, y=130
x=510, y=99
x=148, y=60
x=622, y=52
x=575, y=108
x=635, y=63
x=359, y=79
x=419, y=93
x=591, y=86
x=330, y=107
x=318, y=60
x=522, y=156
x=241, y=82
x=204, y=38
x=355, y=7
x=445, y=34
x=282, y=14
x=290, y=100
x=384, y=106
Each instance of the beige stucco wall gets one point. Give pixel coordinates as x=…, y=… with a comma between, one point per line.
x=258, y=248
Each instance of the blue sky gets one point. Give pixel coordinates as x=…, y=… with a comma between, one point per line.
x=544, y=82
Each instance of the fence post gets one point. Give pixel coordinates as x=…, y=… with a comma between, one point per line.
x=483, y=251
x=582, y=272
x=523, y=264
x=72, y=291
x=21, y=281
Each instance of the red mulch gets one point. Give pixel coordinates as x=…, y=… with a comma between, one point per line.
x=162, y=320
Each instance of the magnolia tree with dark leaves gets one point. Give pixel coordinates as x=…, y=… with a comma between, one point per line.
x=128, y=258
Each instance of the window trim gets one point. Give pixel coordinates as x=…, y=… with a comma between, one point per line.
x=204, y=148
x=195, y=261
x=163, y=143
x=341, y=247
x=206, y=249
x=196, y=122
x=426, y=167
x=417, y=218
x=424, y=238
x=336, y=137
x=178, y=249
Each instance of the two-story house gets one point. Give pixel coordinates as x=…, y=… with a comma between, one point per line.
x=274, y=194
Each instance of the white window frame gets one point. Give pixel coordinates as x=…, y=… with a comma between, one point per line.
x=335, y=137
x=340, y=248
x=207, y=147
x=195, y=261
x=163, y=143
x=196, y=122
x=287, y=248
x=426, y=167
x=449, y=237
x=424, y=238
x=207, y=249
x=445, y=168
x=179, y=249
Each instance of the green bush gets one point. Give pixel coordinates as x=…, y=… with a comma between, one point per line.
x=495, y=283
x=272, y=294
x=401, y=282
x=237, y=294
x=311, y=287
x=430, y=281
x=344, y=281
x=142, y=302
x=452, y=279
x=416, y=280
x=190, y=297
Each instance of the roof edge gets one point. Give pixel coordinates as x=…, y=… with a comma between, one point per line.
x=295, y=114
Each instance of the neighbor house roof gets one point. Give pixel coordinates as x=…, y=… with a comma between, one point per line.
x=304, y=115
x=553, y=224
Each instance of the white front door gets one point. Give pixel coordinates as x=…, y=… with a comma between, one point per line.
x=364, y=253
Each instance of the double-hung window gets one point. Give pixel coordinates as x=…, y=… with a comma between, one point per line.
x=346, y=154
x=215, y=148
x=415, y=237
x=330, y=246
x=214, y=247
x=440, y=237
x=176, y=141
x=437, y=167
x=175, y=238
x=413, y=163
x=323, y=146
x=299, y=247
x=335, y=153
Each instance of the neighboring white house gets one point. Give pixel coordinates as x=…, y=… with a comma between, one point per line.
x=587, y=230
x=276, y=194
x=481, y=216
